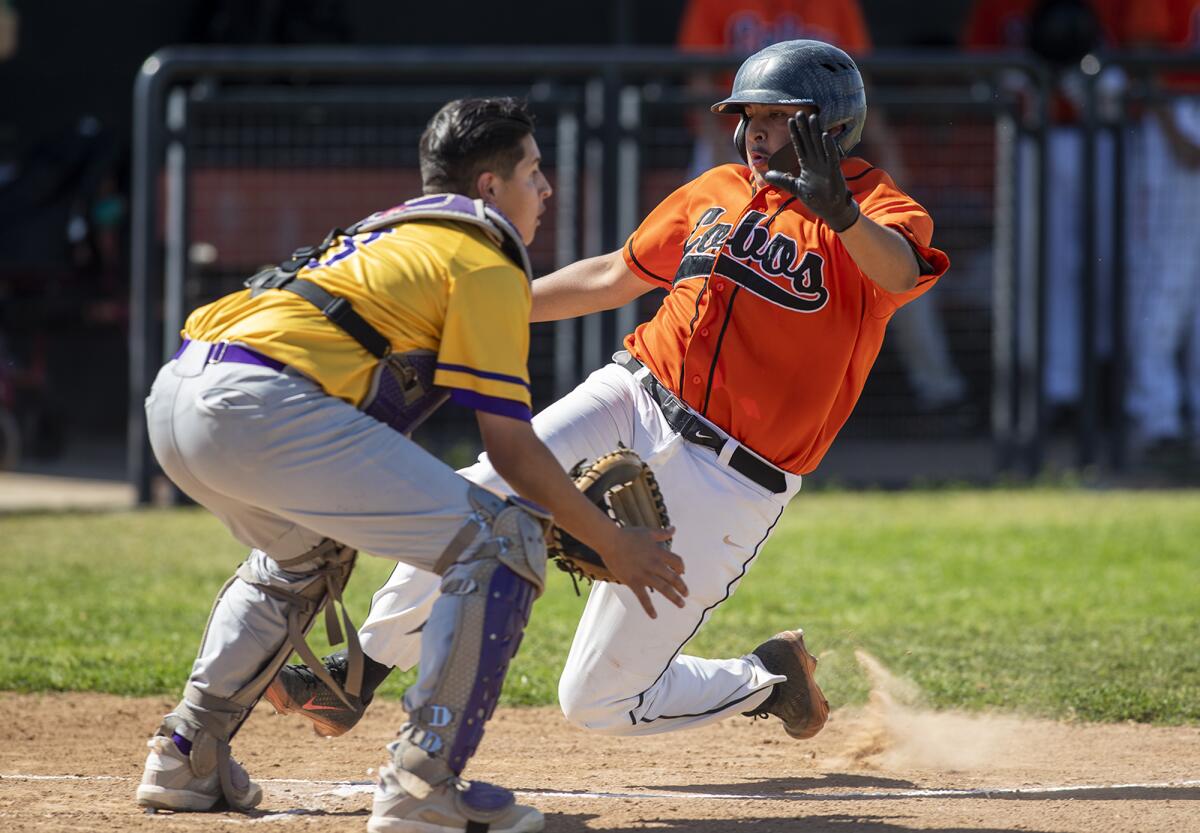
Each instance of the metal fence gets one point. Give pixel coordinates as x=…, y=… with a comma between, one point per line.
x=241, y=155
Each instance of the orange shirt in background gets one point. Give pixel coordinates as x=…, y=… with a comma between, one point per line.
x=746, y=26
x=743, y=27
x=769, y=328
x=1173, y=24
x=1004, y=24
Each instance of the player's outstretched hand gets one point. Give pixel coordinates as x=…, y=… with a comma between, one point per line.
x=820, y=184
x=639, y=560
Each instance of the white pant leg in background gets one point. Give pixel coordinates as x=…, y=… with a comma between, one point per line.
x=920, y=338
x=625, y=673
x=1062, y=372
x=1063, y=368
x=1164, y=285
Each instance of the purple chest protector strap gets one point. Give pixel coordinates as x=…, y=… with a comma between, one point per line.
x=402, y=393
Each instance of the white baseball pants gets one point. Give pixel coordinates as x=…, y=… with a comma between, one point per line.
x=625, y=674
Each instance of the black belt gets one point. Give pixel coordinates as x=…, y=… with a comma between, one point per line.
x=681, y=418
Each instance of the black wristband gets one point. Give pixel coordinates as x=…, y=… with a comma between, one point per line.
x=845, y=218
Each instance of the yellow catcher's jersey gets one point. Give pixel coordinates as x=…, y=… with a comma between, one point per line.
x=431, y=285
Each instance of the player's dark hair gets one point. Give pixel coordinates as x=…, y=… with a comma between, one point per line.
x=469, y=136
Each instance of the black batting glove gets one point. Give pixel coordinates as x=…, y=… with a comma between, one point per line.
x=819, y=184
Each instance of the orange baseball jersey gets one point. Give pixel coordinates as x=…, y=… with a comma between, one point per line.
x=746, y=26
x=769, y=328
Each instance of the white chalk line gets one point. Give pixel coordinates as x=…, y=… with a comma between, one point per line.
x=348, y=788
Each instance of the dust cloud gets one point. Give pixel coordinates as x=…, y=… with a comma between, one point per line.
x=894, y=731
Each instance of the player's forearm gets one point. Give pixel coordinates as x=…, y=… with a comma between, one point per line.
x=882, y=254
x=591, y=285
x=525, y=463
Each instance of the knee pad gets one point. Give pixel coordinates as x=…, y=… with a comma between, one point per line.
x=512, y=530
x=488, y=591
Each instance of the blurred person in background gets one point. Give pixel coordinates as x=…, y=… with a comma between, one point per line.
x=1061, y=33
x=63, y=290
x=742, y=27
x=270, y=21
x=1164, y=248
x=8, y=30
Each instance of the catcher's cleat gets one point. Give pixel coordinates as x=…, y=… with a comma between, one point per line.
x=798, y=701
x=451, y=806
x=170, y=783
x=297, y=690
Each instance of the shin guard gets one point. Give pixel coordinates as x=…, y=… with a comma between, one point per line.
x=208, y=722
x=470, y=638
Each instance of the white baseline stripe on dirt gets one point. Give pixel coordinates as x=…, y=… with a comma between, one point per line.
x=346, y=788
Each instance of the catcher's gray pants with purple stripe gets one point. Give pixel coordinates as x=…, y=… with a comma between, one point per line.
x=285, y=466
x=626, y=674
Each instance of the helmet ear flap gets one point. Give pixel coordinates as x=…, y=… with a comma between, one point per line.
x=739, y=137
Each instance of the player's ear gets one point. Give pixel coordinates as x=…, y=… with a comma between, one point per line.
x=485, y=186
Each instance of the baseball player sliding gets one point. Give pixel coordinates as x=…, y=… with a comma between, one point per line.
x=781, y=275
x=286, y=413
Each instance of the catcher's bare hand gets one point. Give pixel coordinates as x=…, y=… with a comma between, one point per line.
x=638, y=559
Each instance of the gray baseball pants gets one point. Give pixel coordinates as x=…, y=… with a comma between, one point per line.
x=284, y=466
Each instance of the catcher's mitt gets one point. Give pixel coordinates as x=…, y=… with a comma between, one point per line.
x=622, y=486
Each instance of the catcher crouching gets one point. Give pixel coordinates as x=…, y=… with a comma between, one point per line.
x=287, y=412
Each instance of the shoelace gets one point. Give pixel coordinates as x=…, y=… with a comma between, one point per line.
x=762, y=712
x=336, y=667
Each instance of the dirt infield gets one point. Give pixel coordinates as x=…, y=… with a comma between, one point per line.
x=70, y=763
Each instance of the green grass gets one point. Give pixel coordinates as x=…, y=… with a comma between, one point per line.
x=1054, y=602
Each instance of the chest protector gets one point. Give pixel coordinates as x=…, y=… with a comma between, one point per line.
x=402, y=393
